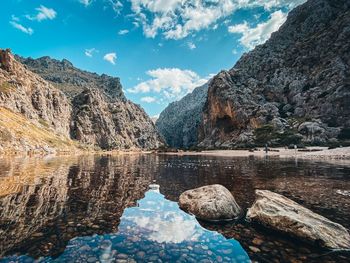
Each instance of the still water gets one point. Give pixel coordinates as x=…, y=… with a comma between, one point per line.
x=101, y=208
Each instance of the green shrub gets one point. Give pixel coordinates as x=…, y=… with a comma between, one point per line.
x=289, y=137
x=264, y=134
x=344, y=134
x=268, y=134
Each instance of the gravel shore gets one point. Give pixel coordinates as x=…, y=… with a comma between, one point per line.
x=342, y=153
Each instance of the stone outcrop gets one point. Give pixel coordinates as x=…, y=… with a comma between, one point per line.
x=71, y=104
x=111, y=124
x=28, y=94
x=282, y=214
x=211, y=202
x=34, y=115
x=293, y=89
x=179, y=122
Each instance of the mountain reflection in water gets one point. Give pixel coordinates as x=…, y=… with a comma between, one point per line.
x=97, y=208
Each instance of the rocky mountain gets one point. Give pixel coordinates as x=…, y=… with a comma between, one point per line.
x=71, y=80
x=179, y=122
x=295, y=88
x=66, y=105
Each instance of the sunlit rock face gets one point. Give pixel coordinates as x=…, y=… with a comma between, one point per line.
x=101, y=115
x=40, y=214
x=24, y=92
x=300, y=75
x=33, y=113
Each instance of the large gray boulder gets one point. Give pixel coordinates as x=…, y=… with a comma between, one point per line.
x=280, y=213
x=211, y=202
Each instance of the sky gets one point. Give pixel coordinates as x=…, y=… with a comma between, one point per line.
x=160, y=49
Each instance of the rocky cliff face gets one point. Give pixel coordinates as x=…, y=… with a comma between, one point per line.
x=34, y=116
x=179, y=122
x=294, y=88
x=112, y=123
x=25, y=92
x=73, y=104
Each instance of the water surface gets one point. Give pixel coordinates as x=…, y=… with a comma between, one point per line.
x=100, y=208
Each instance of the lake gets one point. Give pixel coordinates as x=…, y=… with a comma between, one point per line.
x=102, y=208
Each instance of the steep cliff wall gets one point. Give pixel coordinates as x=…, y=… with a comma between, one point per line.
x=179, y=122
x=34, y=116
x=294, y=88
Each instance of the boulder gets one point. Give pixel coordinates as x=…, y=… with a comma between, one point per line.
x=211, y=202
x=282, y=214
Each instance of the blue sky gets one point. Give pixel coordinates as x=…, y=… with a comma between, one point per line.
x=160, y=49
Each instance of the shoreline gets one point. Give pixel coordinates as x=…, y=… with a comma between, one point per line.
x=312, y=153
x=309, y=153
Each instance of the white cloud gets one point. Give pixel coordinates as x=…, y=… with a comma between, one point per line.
x=148, y=99
x=116, y=5
x=90, y=52
x=22, y=28
x=176, y=19
x=252, y=36
x=191, y=45
x=160, y=220
x=172, y=228
x=110, y=57
x=15, y=18
x=172, y=83
x=44, y=13
x=123, y=32
x=269, y=4
x=86, y=2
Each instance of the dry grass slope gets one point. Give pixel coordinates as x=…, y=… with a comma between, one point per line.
x=15, y=129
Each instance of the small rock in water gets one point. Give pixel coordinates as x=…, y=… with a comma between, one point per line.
x=227, y=251
x=153, y=258
x=39, y=234
x=254, y=249
x=122, y=256
x=92, y=259
x=140, y=254
x=257, y=241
